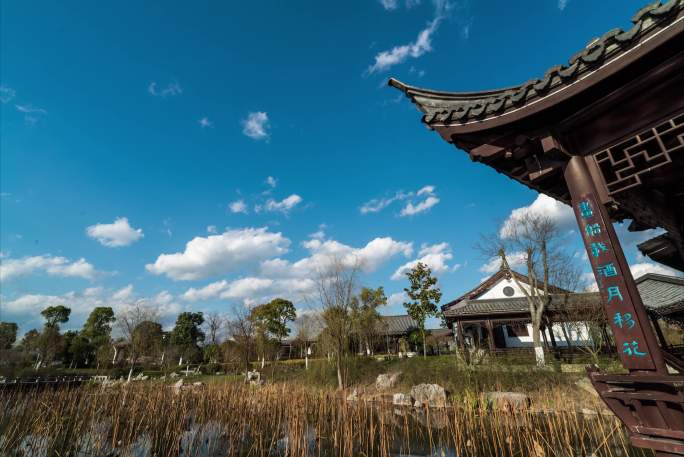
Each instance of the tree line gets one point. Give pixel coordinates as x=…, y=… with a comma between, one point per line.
x=345, y=321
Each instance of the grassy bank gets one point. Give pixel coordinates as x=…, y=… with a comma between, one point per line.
x=545, y=386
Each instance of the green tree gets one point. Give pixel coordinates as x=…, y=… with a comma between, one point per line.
x=8, y=334
x=424, y=296
x=55, y=315
x=187, y=334
x=98, y=326
x=77, y=350
x=274, y=317
x=147, y=339
x=365, y=315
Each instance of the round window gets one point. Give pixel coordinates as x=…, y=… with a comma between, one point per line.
x=508, y=291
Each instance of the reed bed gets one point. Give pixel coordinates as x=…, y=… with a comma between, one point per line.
x=150, y=419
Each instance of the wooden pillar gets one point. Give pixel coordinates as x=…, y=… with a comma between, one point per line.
x=460, y=336
x=636, y=342
x=490, y=335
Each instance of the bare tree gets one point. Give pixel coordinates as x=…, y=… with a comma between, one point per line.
x=535, y=242
x=241, y=331
x=305, y=325
x=336, y=289
x=127, y=321
x=214, y=322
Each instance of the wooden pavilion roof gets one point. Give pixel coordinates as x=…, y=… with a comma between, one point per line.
x=587, y=107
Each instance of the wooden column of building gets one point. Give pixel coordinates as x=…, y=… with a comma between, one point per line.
x=490, y=335
x=460, y=336
x=636, y=342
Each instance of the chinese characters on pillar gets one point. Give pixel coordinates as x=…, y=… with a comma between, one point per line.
x=618, y=303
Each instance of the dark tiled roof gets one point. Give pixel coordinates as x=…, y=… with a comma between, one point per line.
x=396, y=325
x=518, y=304
x=488, y=283
x=661, y=293
x=448, y=108
x=441, y=332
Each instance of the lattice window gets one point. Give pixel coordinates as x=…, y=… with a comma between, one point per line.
x=623, y=164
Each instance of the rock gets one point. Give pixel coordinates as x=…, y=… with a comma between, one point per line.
x=586, y=386
x=177, y=386
x=508, y=401
x=198, y=384
x=173, y=375
x=386, y=381
x=401, y=400
x=354, y=396
x=253, y=378
x=432, y=395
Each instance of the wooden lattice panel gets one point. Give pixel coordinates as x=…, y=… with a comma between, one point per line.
x=624, y=164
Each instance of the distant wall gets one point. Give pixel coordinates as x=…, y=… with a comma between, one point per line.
x=577, y=331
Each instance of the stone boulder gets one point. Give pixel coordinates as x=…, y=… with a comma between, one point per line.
x=386, y=381
x=508, y=401
x=177, y=386
x=253, y=378
x=432, y=395
x=353, y=396
x=401, y=400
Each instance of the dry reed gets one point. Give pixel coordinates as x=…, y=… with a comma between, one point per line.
x=283, y=419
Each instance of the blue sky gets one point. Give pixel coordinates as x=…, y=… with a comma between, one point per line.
x=203, y=155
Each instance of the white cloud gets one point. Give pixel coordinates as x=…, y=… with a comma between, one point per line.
x=28, y=109
x=82, y=303
x=434, y=256
x=640, y=269
x=398, y=54
x=219, y=254
x=515, y=259
x=52, y=266
x=6, y=94
x=271, y=181
x=117, y=234
x=284, y=206
x=253, y=289
x=205, y=123
x=279, y=277
x=238, y=206
x=322, y=252
x=171, y=89
x=413, y=206
x=378, y=204
x=411, y=210
x=319, y=234
x=562, y=4
x=211, y=229
x=124, y=293
x=31, y=114
x=560, y=213
x=398, y=298
x=256, y=125
x=389, y=5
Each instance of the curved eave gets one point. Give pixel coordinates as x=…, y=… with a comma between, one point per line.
x=468, y=112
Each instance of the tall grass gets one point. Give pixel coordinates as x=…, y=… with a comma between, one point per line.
x=282, y=419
